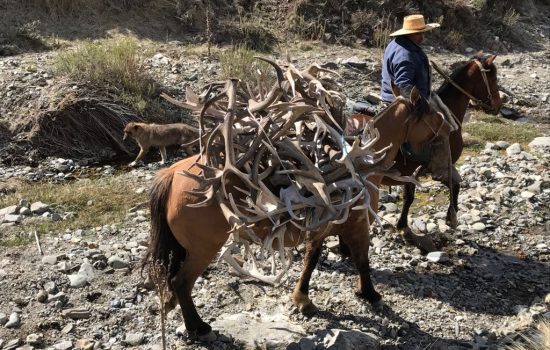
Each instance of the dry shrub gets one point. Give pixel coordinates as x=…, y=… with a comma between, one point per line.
x=256, y=36
x=112, y=64
x=239, y=63
x=510, y=19
x=454, y=40
x=302, y=28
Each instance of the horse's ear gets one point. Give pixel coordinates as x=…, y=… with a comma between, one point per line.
x=415, y=95
x=479, y=54
x=394, y=89
x=490, y=60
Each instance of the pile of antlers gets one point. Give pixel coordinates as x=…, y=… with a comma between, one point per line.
x=280, y=154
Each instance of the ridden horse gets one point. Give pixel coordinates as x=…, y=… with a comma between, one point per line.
x=185, y=239
x=478, y=80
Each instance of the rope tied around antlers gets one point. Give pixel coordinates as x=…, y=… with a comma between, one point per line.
x=279, y=155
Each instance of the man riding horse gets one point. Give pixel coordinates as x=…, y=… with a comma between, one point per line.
x=405, y=65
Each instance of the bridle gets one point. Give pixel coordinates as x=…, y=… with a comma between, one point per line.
x=436, y=132
x=485, y=80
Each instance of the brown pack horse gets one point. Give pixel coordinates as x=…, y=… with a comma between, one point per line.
x=478, y=81
x=186, y=239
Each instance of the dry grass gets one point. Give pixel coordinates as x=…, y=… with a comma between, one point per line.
x=114, y=64
x=239, y=63
x=110, y=199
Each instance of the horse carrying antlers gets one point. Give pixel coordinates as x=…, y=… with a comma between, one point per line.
x=274, y=169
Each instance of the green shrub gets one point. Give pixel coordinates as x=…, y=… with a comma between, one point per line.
x=486, y=128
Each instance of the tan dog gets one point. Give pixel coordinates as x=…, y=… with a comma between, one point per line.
x=161, y=135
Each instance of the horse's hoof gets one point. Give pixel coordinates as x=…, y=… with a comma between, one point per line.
x=308, y=309
x=373, y=297
x=208, y=337
x=452, y=222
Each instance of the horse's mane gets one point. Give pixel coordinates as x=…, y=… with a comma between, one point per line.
x=461, y=68
x=419, y=109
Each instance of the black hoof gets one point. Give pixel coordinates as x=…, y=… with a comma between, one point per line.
x=202, y=333
x=372, y=297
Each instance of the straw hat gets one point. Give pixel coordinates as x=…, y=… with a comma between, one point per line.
x=414, y=24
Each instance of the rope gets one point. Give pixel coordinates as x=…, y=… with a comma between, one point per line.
x=476, y=100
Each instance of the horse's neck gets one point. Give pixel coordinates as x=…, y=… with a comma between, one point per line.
x=455, y=100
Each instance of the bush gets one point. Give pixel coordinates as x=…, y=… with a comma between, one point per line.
x=239, y=63
x=113, y=64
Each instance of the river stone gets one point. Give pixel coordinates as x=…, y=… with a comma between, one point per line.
x=438, y=257
x=117, y=262
x=478, y=226
x=76, y=314
x=251, y=329
x=513, y=149
x=85, y=344
x=78, y=281
x=14, y=321
x=3, y=318
x=39, y=207
x=64, y=345
x=540, y=142
x=35, y=339
x=134, y=339
x=352, y=340
x=390, y=207
x=49, y=259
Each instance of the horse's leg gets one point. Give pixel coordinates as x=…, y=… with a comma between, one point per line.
x=344, y=249
x=358, y=242
x=300, y=295
x=403, y=222
x=451, y=218
x=182, y=285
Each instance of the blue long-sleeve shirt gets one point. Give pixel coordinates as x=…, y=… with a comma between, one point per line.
x=406, y=65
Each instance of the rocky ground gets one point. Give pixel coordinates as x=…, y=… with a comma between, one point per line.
x=491, y=280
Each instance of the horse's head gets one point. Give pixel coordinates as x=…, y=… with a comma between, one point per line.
x=484, y=71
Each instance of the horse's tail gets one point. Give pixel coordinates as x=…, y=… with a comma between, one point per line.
x=163, y=247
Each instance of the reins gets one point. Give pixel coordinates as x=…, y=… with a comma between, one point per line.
x=485, y=80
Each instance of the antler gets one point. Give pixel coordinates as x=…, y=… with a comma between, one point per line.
x=279, y=155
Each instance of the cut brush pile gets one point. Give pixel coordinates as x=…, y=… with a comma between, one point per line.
x=279, y=154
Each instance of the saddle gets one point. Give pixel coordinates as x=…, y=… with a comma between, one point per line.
x=358, y=114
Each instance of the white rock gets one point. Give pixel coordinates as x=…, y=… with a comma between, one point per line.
x=134, y=339
x=352, y=340
x=438, y=257
x=390, y=207
x=478, y=226
x=513, y=149
x=540, y=142
x=78, y=281
x=527, y=194
x=39, y=207
x=49, y=259
x=11, y=210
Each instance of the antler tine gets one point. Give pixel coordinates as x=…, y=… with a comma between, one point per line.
x=274, y=94
x=278, y=70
